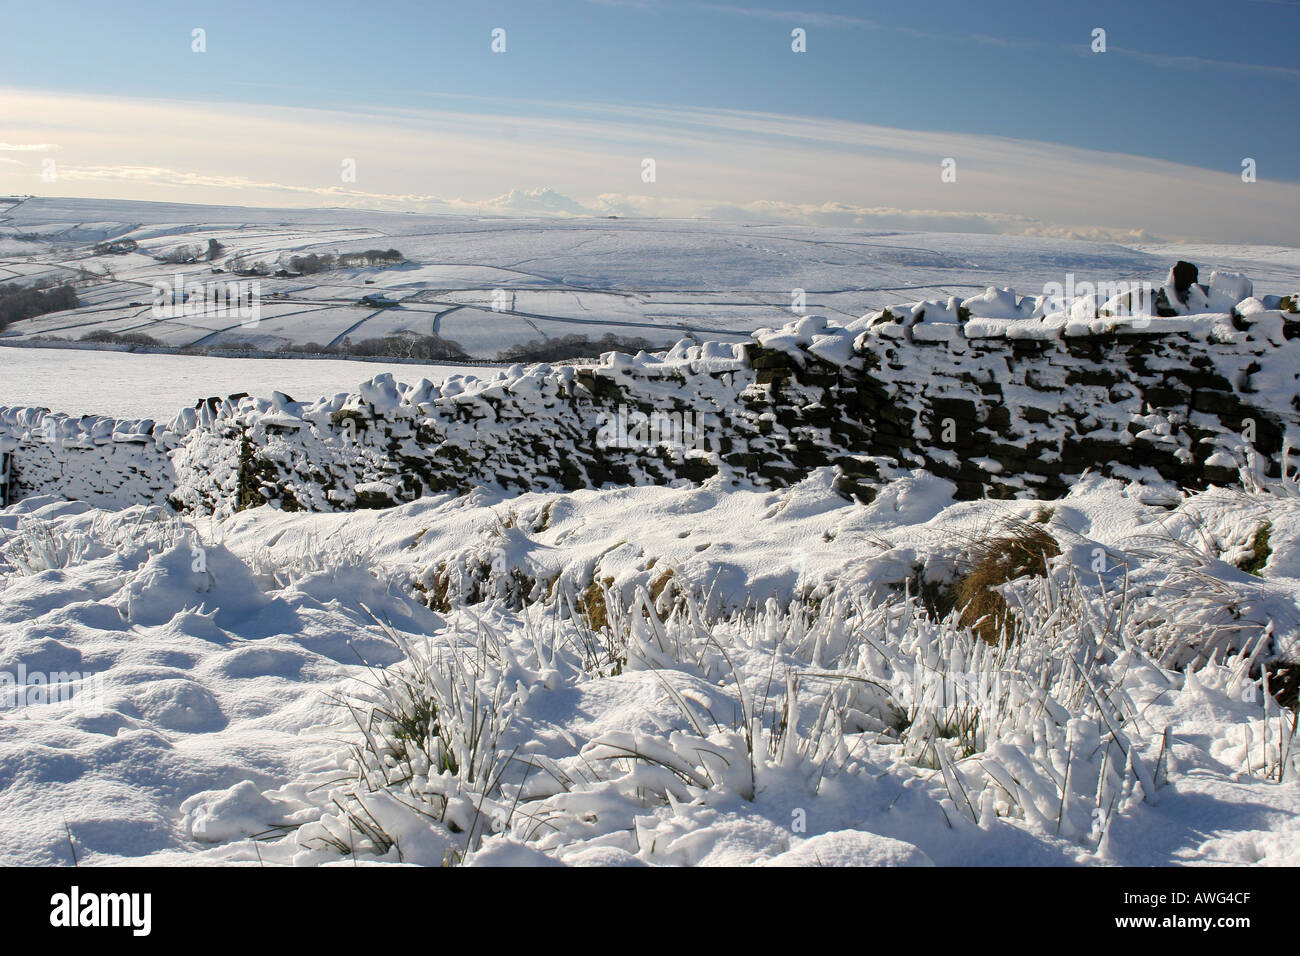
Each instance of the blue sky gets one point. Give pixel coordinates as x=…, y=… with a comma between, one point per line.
x=1199, y=84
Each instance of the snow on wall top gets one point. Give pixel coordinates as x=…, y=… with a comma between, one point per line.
x=1165, y=377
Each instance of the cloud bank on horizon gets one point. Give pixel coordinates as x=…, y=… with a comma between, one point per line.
x=589, y=161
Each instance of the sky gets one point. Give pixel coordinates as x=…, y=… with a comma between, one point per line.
x=406, y=105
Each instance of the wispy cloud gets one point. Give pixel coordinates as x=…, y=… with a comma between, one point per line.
x=1201, y=63
x=794, y=17
x=628, y=4
x=1163, y=60
x=587, y=159
x=27, y=147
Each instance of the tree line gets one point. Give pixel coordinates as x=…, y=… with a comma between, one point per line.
x=573, y=347
x=326, y=261
x=18, y=302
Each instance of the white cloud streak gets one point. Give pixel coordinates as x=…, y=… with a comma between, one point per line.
x=1162, y=60
x=725, y=164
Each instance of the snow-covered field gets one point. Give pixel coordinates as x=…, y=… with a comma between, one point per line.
x=488, y=284
x=141, y=385
x=268, y=689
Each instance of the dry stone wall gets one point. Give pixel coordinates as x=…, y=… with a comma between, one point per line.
x=1002, y=407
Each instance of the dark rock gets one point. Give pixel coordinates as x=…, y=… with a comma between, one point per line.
x=1185, y=274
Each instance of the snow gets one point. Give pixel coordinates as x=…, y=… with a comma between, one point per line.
x=207, y=682
x=700, y=674
x=132, y=385
x=998, y=304
x=635, y=278
x=219, y=734
x=1230, y=287
x=850, y=848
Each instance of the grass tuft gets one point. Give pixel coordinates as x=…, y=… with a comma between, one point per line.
x=593, y=604
x=1259, y=551
x=1023, y=550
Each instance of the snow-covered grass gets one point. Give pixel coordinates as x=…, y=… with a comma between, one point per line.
x=1056, y=733
x=619, y=677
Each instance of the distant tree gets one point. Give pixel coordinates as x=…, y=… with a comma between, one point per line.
x=241, y=266
x=315, y=262
x=572, y=347
x=421, y=347
x=312, y=263
x=181, y=255
x=25, y=302
x=215, y=250
x=116, y=247
x=305, y=348
x=105, y=337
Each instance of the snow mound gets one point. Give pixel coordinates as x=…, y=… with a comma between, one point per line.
x=851, y=848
